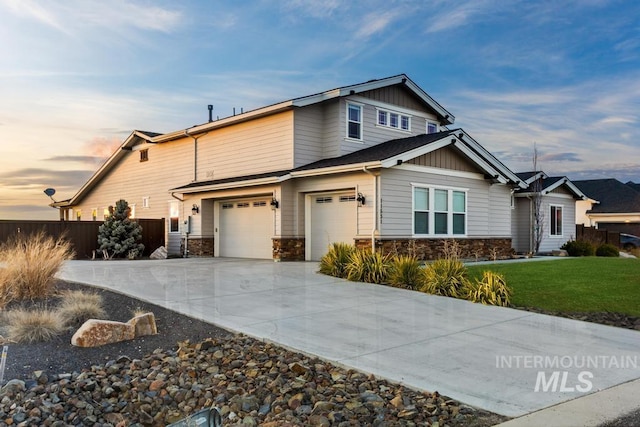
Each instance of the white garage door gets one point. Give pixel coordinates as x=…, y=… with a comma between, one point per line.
x=245, y=229
x=333, y=219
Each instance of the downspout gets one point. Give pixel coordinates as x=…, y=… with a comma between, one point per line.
x=375, y=207
x=195, y=152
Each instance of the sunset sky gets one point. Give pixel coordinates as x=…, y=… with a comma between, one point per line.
x=76, y=77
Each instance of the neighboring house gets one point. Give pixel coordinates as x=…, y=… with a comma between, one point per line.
x=558, y=196
x=372, y=164
x=612, y=205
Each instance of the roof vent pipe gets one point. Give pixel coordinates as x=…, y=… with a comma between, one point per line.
x=210, y=107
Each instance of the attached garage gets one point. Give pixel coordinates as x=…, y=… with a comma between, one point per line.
x=245, y=228
x=331, y=218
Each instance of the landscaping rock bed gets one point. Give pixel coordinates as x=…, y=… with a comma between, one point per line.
x=153, y=381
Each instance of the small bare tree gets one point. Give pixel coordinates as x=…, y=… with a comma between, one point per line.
x=536, y=200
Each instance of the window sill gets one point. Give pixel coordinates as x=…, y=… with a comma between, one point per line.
x=357, y=141
x=393, y=129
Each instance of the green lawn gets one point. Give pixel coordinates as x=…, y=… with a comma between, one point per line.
x=588, y=284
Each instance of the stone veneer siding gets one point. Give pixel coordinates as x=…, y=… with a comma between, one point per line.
x=198, y=246
x=288, y=249
x=430, y=249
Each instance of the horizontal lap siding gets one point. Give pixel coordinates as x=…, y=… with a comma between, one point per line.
x=169, y=165
x=309, y=125
x=261, y=145
x=521, y=225
x=396, y=192
x=499, y=210
x=550, y=243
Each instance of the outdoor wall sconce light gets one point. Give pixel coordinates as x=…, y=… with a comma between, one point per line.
x=360, y=199
x=274, y=203
x=195, y=209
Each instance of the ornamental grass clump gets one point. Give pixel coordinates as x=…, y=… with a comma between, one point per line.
x=368, y=266
x=30, y=266
x=492, y=289
x=28, y=326
x=334, y=262
x=446, y=277
x=76, y=307
x=405, y=272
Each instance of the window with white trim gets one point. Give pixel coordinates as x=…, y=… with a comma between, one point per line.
x=556, y=220
x=432, y=127
x=439, y=211
x=394, y=120
x=354, y=121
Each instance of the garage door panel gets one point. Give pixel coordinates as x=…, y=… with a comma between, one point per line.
x=333, y=220
x=245, y=229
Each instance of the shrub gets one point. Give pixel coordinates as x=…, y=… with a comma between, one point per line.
x=31, y=264
x=335, y=261
x=607, y=250
x=77, y=307
x=579, y=248
x=405, y=272
x=33, y=325
x=446, y=277
x=492, y=289
x=119, y=236
x=367, y=266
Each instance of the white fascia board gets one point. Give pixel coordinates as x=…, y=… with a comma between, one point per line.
x=440, y=171
x=489, y=169
x=355, y=167
x=120, y=152
x=227, y=185
x=417, y=152
x=536, y=176
x=565, y=181
x=495, y=163
x=450, y=118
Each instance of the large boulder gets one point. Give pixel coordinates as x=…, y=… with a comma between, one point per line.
x=95, y=333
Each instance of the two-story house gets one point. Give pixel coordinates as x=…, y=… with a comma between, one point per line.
x=374, y=164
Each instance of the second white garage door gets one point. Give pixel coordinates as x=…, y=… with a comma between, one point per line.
x=245, y=228
x=332, y=219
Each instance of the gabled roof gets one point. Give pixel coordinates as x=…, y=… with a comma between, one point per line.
x=613, y=196
x=634, y=185
x=547, y=184
x=385, y=155
x=529, y=177
x=444, y=116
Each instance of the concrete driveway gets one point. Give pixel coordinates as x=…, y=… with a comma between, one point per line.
x=506, y=361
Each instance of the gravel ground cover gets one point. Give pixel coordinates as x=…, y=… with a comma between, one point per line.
x=190, y=365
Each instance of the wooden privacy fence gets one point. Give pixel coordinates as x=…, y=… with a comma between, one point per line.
x=596, y=235
x=82, y=234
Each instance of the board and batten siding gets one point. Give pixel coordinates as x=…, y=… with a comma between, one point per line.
x=261, y=145
x=445, y=158
x=397, y=200
x=394, y=95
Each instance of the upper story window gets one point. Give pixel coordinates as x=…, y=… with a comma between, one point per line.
x=556, y=220
x=144, y=155
x=432, y=127
x=354, y=121
x=439, y=211
x=394, y=120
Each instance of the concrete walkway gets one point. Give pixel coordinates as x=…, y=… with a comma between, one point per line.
x=506, y=361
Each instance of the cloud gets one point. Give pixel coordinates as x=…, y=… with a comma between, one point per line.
x=79, y=159
x=41, y=178
x=71, y=16
x=375, y=22
x=320, y=9
x=457, y=16
x=559, y=157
